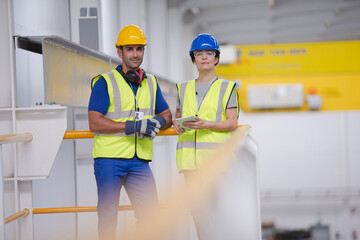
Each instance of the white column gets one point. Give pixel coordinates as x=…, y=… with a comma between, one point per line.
x=109, y=22
x=5, y=68
x=135, y=12
x=2, y=206
x=7, y=98
x=190, y=70
x=157, y=37
x=176, y=47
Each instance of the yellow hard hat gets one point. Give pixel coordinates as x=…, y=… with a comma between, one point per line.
x=131, y=35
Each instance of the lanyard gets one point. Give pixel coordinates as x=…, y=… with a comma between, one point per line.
x=202, y=99
x=136, y=101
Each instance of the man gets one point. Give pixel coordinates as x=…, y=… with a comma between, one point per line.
x=123, y=145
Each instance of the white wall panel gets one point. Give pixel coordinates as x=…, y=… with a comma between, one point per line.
x=352, y=148
x=300, y=150
x=307, y=162
x=86, y=191
x=5, y=57
x=29, y=78
x=34, y=18
x=58, y=190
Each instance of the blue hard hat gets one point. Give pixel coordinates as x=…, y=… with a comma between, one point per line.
x=204, y=41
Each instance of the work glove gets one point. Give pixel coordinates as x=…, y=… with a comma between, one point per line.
x=145, y=127
x=159, y=121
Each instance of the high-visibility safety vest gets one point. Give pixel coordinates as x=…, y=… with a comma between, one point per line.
x=195, y=145
x=122, y=108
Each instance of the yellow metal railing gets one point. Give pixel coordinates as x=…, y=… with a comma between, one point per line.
x=87, y=134
x=75, y=209
x=81, y=209
x=17, y=215
x=13, y=138
x=10, y=138
x=63, y=210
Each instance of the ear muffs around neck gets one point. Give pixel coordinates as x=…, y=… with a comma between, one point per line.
x=135, y=76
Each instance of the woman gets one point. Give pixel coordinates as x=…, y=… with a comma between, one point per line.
x=214, y=103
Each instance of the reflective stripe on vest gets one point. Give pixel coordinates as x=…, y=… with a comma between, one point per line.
x=122, y=107
x=199, y=145
x=193, y=145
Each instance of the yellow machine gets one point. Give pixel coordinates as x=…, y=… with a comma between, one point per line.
x=329, y=70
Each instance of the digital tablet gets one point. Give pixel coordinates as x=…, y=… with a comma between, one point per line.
x=185, y=119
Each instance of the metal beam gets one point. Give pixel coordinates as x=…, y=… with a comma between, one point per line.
x=29, y=45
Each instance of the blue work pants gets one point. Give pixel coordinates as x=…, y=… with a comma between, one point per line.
x=137, y=178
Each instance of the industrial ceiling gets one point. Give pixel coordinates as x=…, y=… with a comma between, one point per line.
x=273, y=21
